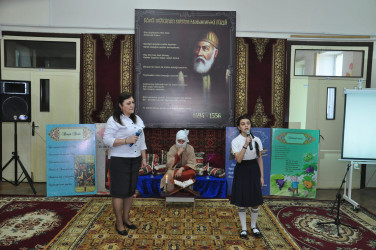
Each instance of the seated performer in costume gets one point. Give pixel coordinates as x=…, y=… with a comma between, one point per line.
x=181, y=162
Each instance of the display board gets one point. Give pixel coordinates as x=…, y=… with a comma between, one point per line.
x=185, y=68
x=71, y=161
x=294, y=162
x=359, y=126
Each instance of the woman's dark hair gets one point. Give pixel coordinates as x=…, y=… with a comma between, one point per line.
x=245, y=116
x=117, y=112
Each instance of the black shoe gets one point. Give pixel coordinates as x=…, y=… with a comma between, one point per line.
x=244, y=234
x=124, y=232
x=256, y=232
x=131, y=226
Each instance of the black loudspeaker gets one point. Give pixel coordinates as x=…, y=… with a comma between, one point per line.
x=15, y=101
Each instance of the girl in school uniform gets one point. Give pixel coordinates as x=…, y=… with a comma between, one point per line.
x=248, y=175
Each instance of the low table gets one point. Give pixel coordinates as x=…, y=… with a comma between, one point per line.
x=180, y=199
x=181, y=194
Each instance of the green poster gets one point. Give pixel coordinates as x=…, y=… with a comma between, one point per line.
x=294, y=162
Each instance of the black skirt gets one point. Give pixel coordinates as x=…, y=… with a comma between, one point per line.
x=124, y=176
x=246, y=185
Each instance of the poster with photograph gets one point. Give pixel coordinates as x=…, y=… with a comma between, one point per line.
x=71, y=161
x=185, y=68
x=294, y=162
x=265, y=136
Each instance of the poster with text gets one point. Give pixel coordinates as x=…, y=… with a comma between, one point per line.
x=294, y=162
x=71, y=160
x=185, y=68
x=264, y=135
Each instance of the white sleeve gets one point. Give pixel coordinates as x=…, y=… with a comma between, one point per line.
x=110, y=132
x=235, y=146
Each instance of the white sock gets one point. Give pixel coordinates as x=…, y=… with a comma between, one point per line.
x=242, y=217
x=254, y=215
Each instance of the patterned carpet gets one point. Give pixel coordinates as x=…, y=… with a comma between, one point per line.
x=88, y=223
x=212, y=225
x=299, y=219
x=32, y=222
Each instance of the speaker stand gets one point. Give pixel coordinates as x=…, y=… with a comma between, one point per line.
x=16, y=159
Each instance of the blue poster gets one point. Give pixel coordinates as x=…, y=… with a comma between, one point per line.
x=71, y=160
x=265, y=135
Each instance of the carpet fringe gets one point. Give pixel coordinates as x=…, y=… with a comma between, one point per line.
x=279, y=225
x=67, y=225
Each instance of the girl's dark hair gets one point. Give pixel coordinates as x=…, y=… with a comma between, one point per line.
x=245, y=116
x=117, y=112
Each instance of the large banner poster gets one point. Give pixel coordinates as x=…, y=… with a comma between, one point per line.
x=294, y=162
x=265, y=136
x=70, y=159
x=185, y=68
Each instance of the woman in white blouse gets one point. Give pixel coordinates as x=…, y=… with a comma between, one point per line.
x=124, y=134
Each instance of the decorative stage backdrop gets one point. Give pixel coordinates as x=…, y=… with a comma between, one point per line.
x=185, y=68
x=71, y=162
x=108, y=68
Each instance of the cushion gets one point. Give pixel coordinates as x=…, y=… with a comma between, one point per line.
x=145, y=170
x=164, y=157
x=215, y=160
x=160, y=169
x=200, y=163
x=152, y=160
x=216, y=172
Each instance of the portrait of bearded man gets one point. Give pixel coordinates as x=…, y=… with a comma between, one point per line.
x=207, y=82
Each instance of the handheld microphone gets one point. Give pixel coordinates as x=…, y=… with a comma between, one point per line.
x=250, y=144
x=137, y=134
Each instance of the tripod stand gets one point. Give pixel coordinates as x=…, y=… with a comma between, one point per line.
x=338, y=201
x=16, y=159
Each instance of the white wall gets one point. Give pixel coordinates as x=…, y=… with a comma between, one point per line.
x=343, y=17
x=254, y=18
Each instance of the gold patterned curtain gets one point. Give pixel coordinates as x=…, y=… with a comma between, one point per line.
x=260, y=81
x=107, y=70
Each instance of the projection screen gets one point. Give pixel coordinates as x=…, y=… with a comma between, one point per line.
x=359, y=126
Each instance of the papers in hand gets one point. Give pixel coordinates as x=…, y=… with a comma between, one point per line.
x=183, y=184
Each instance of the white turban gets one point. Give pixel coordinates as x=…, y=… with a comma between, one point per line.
x=182, y=135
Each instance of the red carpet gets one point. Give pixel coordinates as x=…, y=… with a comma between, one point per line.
x=299, y=219
x=31, y=222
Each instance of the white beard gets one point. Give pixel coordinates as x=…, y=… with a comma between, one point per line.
x=203, y=66
x=178, y=145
